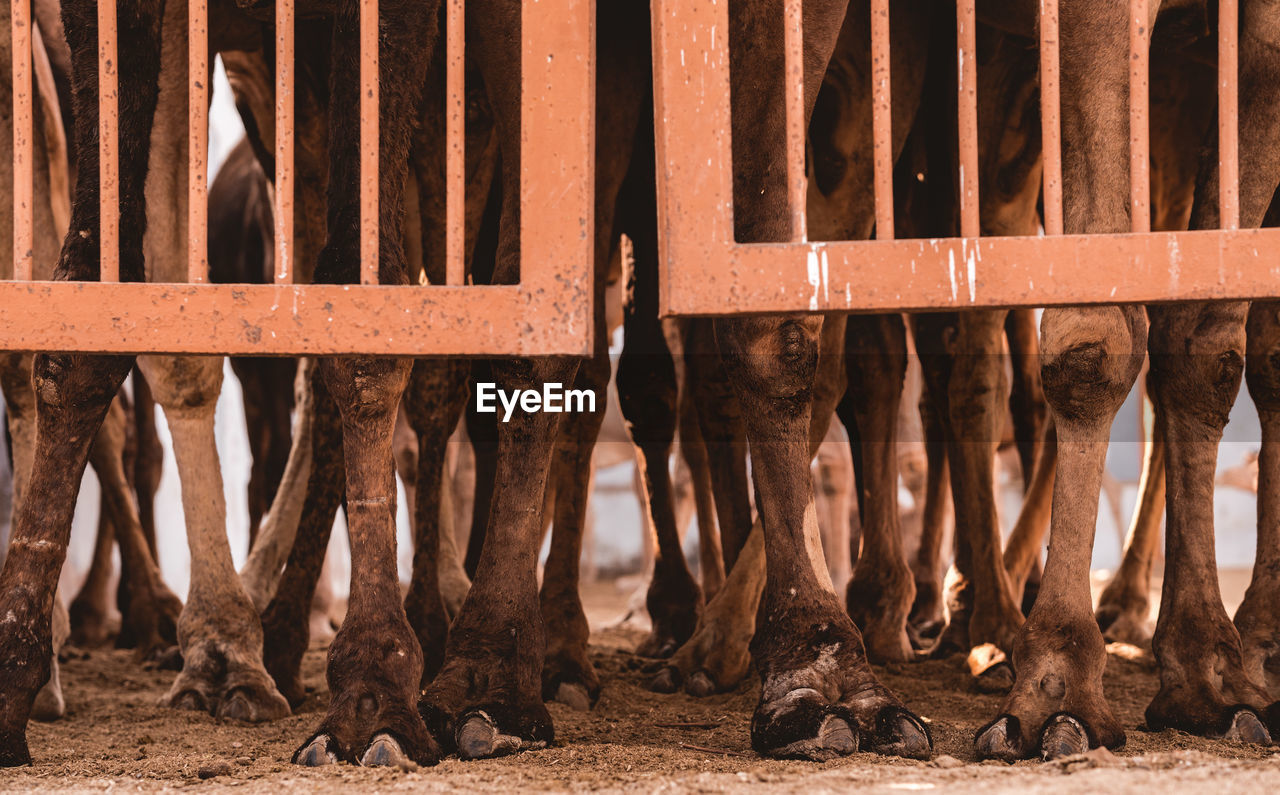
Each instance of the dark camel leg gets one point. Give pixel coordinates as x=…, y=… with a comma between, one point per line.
x=286, y=630
x=694, y=450
x=1022, y=552
x=1197, y=357
x=1258, y=617
x=436, y=398
x=375, y=662
x=1124, y=608
x=88, y=611
x=567, y=673
x=926, y=619
x=487, y=699
x=880, y=594
x=1026, y=394
x=73, y=393
x=719, y=418
x=482, y=429
x=819, y=697
x=151, y=612
x=149, y=464
x=647, y=395
x=267, y=386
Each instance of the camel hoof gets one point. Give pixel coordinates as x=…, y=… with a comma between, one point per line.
x=49, y=704
x=1245, y=727
x=700, y=685
x=241, y=704
x=190, y=700
x=574, y=695
x=666, y=681
x=899, y=733
x=834, y=738
x=1000, y=740
x=384, y=751
x=996, y=679
x=479, y=738
x=1063, y=735
x=657, y=647
x=316, y=753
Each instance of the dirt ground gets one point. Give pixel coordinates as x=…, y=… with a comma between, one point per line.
x=115, y=737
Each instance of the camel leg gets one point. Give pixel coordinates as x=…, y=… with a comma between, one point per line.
x=375, y=661
x=435, y=400
x=880, y=595
x=73, y=393
x=1124, y=608
x=717, y=656
x=647, y=395
x=567, y=674
x=1197, y=357
x=926, y=619
x=267, y=386
x=694, y=451
x=719, y=418
x=833, y=492
x=285, y=622
x=1258, y=617
x=148, y=464
x=1022, y=552
x=1026, y=395
x=90, y=625
x=482, y=429
x=219, y=631
x=1056, y=707
x=262, y=569
x=151, y=612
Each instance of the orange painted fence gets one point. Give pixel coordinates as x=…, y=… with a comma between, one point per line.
x=548, y=312
x=704, y=271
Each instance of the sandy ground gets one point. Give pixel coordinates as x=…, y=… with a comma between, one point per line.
x=115, y=737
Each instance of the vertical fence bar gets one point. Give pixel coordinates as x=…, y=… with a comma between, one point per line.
x=456, y=142
x=1228, y=115
x=198, y=141
x=108, y=145
x=882, y=118
x=1139, y=116
x=23, y=152
x=797, y=182
x=284, y=143
x=1050, y=117
x=967, y=71
x=369, y=227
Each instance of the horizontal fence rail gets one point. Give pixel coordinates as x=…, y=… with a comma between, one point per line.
x=547, y=313
x=704, y=271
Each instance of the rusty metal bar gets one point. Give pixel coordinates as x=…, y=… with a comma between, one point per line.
x=283, y=270
x=1139, y=115
x=290, y=320
x=1228, y=114
x=967, y=71
x=108, y=145
x=882, y=118
x=198, y=141
x=793, y=58
x=23, y=150
x=370, y=230
x=455, y=142
x=1051, y=117
x=987, y=272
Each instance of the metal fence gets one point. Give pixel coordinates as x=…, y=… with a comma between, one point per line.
x=705, y=272
x=548, y=312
